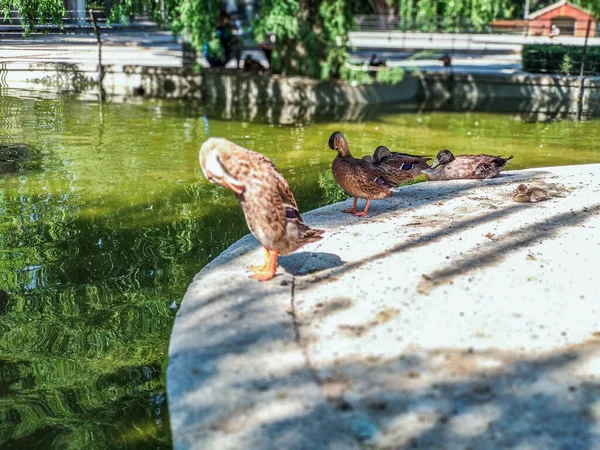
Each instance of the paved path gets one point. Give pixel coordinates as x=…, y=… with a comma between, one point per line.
x=152, y=48
x=483, y=43
x=161, y=48
x=450, y=317
x=483, y=53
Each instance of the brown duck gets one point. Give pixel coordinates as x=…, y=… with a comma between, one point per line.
x=446, y=166
x=265, y=197
x=529, y=195
x=357, y=177
x=396, y=167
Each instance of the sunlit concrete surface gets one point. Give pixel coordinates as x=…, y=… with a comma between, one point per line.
x=450, y=317
x=153, y=48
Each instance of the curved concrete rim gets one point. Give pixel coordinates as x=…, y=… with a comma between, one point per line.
x=450, y=317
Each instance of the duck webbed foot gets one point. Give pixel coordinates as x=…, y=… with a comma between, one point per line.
x=269, y=271
x=364, y=212
x=353, y=209
x=264, y=266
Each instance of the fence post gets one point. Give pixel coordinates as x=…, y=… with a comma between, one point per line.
x=100, y=66
x=580, y=99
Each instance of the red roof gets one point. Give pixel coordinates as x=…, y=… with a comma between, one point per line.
x=553, y=6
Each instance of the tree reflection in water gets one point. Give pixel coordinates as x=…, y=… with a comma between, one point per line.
x=105, y=218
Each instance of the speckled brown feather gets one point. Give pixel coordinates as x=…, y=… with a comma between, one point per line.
x=390, y=167
x=469, y=167
x=268, y=204
x=358, y=178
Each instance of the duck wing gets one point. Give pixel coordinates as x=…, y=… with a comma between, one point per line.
x=399, y=168
x=424, y=158
x=268, y=203
x=360, y=178
x=487, y=166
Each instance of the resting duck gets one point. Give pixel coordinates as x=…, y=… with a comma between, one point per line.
x=529, y=195
x=448, y=167
x=265, y=197
x=396, y=167
x=357, y=177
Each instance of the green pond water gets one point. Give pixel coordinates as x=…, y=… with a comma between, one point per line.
x=105, y=218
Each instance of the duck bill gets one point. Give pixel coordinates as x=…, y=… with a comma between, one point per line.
x=434, y=164
x=233, y=185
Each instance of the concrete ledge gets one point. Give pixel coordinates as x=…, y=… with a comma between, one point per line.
x=297, y=90
x=231, y=89
x=450, y=317
x=82, y=78
x=550, y=94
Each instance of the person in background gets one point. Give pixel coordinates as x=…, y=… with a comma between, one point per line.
x=446, y=60
x=554, y=31
x=230, y=38
x=375, y=62
x=267, y=48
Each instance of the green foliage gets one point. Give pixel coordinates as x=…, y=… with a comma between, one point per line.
x=337, y=21
x=362, y=74
x=392, y=75
x=198, y=19
x=332, y=192
x=450, y=15
x=35, y=12
x=311, y=37
x=122, y=9
x=542, y=58
x=592, y=6
x=356, y=74
x=566, y=66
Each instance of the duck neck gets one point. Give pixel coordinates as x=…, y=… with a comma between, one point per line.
x=344, y=153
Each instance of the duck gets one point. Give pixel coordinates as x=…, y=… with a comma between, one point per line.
x=357, y=177
x=397, y=167
x=446, y=166
x=529, y=195
x=265, y=197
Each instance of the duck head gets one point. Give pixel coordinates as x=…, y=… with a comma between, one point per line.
x=522, y=189
x=381, y=152
x=443, y=157
x=213, y=168
x=338, y=142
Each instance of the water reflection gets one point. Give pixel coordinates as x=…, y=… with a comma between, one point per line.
x=294, y=114
x=86, y=328
x=528, y=110
x=105, y=218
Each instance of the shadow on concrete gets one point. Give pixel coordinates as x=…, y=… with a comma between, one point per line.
x=482, y=399
x=304, y=263
x=165, y=82
x=497, y=250
x=533, y=98
x=418, y=195
x=242, y=384
x=416, y=401
x=494, y=251
x=233, y=94
x=260, y=99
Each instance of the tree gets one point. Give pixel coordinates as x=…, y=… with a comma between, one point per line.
x=433, y=15
x=35, y=11
x=311, y=37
